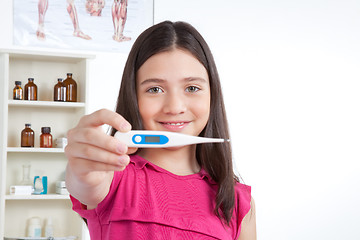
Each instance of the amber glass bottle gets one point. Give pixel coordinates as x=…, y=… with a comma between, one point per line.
x=60, y=91
x=45, y=138
x=71, y=88
x=30, y=90
x=27, y=136
x=18, y=91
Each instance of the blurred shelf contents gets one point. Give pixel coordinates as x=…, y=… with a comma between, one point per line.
x=27, y=136
x=18, y=91
x=60, y=91
x=30, y=90
x=61, y=188
x=46, y=138
x=71, y=88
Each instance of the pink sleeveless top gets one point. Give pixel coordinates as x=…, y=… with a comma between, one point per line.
x=148, y=202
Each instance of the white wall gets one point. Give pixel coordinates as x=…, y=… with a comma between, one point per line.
x=291, y=79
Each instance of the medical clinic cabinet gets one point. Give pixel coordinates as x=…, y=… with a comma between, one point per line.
x=45, y=67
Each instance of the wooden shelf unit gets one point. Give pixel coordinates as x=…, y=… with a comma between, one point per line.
x=45, y=68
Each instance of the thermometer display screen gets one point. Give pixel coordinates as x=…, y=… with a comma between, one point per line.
x=152, y=139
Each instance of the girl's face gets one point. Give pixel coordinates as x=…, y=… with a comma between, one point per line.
x=173, y=93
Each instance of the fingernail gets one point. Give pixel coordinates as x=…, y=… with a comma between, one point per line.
x=124, y=160
x=125, y=127
x=122, y=148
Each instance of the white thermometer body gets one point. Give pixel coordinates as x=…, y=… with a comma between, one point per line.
x=160, y=139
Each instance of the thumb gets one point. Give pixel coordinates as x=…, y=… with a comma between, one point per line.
x=131, y=150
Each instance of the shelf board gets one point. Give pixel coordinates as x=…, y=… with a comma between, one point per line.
x=37, y=197
x=36, y=150
x=41, y=54
x=19, y=103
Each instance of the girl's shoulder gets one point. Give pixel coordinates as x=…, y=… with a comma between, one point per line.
x=242, y=188
x=242, y=206
x=242, y=199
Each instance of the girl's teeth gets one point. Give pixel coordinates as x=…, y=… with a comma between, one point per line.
x=175, y=124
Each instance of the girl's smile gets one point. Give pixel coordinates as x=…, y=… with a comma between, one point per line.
x=173, y=93
x=175, y=126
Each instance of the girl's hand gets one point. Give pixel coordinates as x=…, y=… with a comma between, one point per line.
x=93, y=155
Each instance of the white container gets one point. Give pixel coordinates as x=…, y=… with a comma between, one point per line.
x=62, y=191
x=49, y=230
x=60, y=184
x=34, y=227
x=21, y=190
x=61, y=142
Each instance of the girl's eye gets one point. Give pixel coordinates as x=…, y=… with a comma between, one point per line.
x=192, y=89
x=155, y=90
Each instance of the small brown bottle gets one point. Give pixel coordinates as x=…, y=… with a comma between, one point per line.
x=30, y=90
x=45, y=138
x=60, y=91
x=71, y=88
x=18, y=91
x=27, y=136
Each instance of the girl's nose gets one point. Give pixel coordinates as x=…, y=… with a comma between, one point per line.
x=174, y=104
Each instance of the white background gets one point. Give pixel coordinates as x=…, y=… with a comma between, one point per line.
x=291, y=79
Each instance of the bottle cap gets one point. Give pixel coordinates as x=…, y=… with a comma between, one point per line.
x=45, y=129
x=31, y=79
x=17, y=82
x=69, y=74
x=27, y=125
x=60, y=79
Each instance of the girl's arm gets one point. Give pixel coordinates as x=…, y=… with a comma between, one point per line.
x=93, y=156
x=248, y=224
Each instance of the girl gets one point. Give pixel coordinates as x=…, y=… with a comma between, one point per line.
x=170, y=83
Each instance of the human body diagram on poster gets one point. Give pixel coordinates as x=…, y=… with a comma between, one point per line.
x=94, y=8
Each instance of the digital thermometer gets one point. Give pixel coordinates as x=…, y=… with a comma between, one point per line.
x=160, y=139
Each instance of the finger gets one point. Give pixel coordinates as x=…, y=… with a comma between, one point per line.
x=96, y=138
x=131, y=150
x=84, y=166
x=105, y=116
x=95, y=154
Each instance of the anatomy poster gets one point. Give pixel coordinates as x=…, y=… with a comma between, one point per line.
x=92, y=25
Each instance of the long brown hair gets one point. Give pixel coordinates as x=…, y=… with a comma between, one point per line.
x=216, y=159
